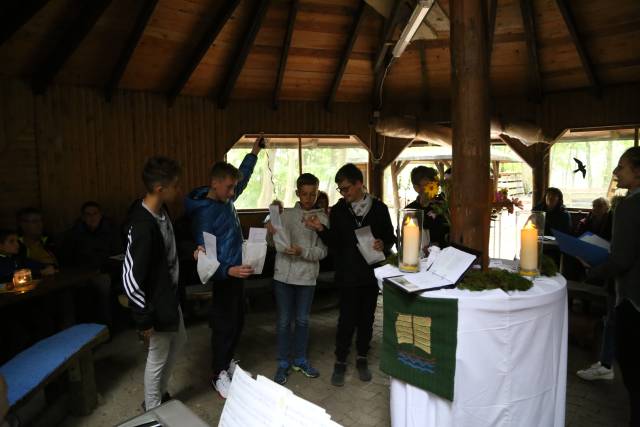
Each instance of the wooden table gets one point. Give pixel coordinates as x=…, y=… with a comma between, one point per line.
x=61, y=281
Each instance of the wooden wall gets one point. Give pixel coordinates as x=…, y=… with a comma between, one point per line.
x=69, y=146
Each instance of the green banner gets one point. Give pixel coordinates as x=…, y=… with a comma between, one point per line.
x=419, y=340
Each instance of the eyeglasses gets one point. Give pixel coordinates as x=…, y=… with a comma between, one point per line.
x=344, y=189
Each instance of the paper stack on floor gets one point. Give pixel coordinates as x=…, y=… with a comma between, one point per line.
x=262, y=402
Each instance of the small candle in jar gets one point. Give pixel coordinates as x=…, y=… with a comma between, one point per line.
x=21, y=277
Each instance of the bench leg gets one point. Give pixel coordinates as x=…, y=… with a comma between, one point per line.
x=82, y=384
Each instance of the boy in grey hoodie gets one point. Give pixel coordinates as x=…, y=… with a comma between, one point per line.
x=296, y=270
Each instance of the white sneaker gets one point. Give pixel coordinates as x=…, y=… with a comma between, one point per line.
x=222, y=384
x=232, y=367
x=596, y=372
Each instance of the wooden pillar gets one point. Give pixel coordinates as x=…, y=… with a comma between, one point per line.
x=540, y=169
x=470, y=120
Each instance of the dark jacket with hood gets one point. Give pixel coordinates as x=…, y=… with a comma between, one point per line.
x=82, y=247
x=153, y=297
x=221, y=220
x=351, y=267
x=436, y=224
x=556, y=219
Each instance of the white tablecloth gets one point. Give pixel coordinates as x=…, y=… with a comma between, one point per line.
x=511, y=362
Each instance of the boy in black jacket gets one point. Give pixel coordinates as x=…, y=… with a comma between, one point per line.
x=150, y=276
x=358, y=284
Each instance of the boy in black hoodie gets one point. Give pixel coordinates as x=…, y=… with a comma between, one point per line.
x=358, y=285
x=150, y=276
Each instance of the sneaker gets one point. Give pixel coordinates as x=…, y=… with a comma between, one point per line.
x=165, y=398
x=222, y=384
x=281, y=375
x=306, y=369
x=337, y=378
x=232, y=367
x=363, y=369
x=596, y=372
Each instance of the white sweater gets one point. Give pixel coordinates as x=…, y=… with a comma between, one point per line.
x=300, y=270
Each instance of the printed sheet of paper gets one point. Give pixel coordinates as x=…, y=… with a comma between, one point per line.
x=452, y=263
x=208, y=262
x=274, y=216
x=254, y=250
x=365, y=246
x=281, y=237
x=257, y=235
x=420, y=282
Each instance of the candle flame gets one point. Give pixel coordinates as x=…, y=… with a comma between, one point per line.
x=410, y=221
x=529, y=226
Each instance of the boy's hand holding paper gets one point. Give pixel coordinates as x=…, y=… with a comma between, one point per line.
x=367, y=245
x=208, y=259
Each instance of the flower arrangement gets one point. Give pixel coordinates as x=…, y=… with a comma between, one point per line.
x=501, y=202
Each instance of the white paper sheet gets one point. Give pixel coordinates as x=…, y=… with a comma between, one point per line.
x=420, y=282
x=274, y=216
x=595, y=240
x=451, y=263
x=254, y=254
x=257, y=234
x=281, y=237
x=365, y=245
x=208, y=262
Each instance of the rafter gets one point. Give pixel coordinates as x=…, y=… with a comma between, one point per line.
x=285, y=52
x=491, y=29
x=16, y=14
x=132, y=41
x=526, y=8
x=207, y=39
x=389, y=26
x=90, y=12
x=243, y=52
x=355, y=31
x=587, y=65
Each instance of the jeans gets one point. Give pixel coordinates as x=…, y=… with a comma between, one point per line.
x=227, y=321
x=293, y=300
x=357, y=312
x=163, y=350
x=607, y=351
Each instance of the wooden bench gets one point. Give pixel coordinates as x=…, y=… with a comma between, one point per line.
x=68, y=351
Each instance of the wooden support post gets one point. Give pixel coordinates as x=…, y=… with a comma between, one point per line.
x=537, y=157
x=82, y=384
x=470, y=120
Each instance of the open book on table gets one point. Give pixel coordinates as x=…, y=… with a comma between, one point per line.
x=443, y=268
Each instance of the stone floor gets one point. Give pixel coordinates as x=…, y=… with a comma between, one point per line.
x=120, y=366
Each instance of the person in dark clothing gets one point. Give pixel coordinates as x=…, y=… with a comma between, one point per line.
x=599, y=220
x=34, y=242
x=357, y=282
x=557, y=217
x=623, y=266
x=10, y=259
x=211, y=210
x=425, y=183
x=150, y=276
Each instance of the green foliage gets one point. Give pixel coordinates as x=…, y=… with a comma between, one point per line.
x=392, y=259
x=476, y=280
x=548, y=266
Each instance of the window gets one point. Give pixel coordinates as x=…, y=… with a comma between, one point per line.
x=278, y=167
x=599, y=151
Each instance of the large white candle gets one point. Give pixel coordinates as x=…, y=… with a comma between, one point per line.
x=410, y=242
x=529, y=247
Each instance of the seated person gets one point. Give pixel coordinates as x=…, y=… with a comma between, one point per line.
x=34, y=243
x=10, y=260
x=599, y=220
x=425, y=183
x=557, y=217
x=91, y=240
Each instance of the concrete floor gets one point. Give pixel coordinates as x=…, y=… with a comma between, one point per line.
x=120, y=367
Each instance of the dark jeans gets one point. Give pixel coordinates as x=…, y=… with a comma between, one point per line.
x=227, y=320
x=628, y=353
x=293, y=300
x=357, y=311
x=607, y=351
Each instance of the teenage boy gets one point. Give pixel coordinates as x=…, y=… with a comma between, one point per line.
x=34, y=244
x=294, y=280
x=358, y=284
x=150, y=276
x=426, y=183
x=211, y=209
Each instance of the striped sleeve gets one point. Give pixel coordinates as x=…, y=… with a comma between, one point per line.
x=134, y=273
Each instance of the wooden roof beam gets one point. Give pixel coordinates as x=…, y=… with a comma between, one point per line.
x=526, y=8
x=90, y=12
x=587, y=65
x=357, y=26
x=284, y=55
x=132, y=41
x=207, y=39
x=389, y=27
x=243, y=52
x=16, y=14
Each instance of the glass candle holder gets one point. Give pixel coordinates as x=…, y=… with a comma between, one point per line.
x=409, y=239
x=21, y=278
x=530, y=232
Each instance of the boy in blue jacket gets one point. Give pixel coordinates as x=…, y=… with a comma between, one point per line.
x=211, y=209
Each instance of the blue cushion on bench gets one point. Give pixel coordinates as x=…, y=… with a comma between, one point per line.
x=28, y=369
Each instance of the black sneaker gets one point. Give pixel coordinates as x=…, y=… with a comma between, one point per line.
x=337, y=378
x=363, y=369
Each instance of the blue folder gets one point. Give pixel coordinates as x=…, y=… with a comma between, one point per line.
x=591, y=254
